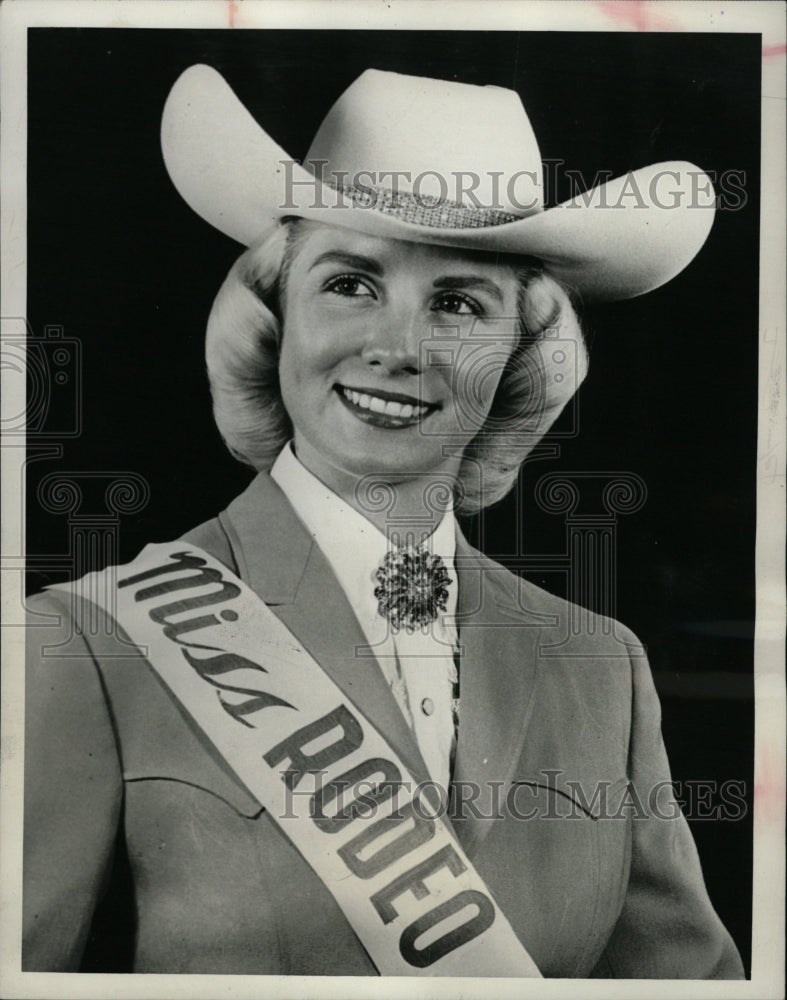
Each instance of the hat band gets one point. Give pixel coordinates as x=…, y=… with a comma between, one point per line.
x=424, y=210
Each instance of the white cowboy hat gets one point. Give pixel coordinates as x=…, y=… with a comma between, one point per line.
x=433, y=161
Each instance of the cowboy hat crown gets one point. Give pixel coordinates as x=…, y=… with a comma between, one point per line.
x=432, y=139
x=432, y=161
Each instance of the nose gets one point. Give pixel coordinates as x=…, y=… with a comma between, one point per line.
x=393, y=342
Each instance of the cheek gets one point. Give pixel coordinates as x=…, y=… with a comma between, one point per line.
x=310, y=346
x=289, y=373
x=297, y=377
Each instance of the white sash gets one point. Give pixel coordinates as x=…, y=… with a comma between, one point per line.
x=336, y=788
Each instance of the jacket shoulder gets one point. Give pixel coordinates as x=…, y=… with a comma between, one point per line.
x=212, y=537
x=584, y=630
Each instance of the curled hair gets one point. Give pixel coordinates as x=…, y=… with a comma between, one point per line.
x=243, y=346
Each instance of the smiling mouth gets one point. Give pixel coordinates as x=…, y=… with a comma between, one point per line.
x=389, y=410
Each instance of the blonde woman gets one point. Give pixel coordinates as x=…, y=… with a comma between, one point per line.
x=333, y=737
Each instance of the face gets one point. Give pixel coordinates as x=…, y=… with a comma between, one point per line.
x=391, y=352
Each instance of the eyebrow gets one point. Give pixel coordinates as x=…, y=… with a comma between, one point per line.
x=359, y=262
x=352, y=260
x=470, y=281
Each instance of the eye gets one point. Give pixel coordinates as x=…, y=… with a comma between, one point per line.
x=457, y=304
x=349, y=286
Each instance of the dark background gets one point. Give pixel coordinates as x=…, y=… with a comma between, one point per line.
x=118, y=261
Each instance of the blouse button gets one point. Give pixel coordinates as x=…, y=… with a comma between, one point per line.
x=427, y=706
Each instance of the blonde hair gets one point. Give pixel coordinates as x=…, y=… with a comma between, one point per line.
x=242, y=351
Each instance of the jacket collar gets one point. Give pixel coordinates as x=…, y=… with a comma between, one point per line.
x=270, y=545
x=498, y=637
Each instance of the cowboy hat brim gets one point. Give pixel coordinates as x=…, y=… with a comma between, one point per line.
x=621, y=239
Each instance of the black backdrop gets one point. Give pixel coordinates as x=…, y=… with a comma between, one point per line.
x=121, y=264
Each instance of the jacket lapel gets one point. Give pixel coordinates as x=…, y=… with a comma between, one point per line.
x=280, y=561
x=498, y=665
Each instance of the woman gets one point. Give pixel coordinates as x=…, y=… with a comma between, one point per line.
x=353, y=744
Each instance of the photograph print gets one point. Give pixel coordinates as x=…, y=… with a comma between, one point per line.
x=390, y=501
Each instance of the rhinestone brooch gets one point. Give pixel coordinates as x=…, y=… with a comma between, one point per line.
x=412, y=587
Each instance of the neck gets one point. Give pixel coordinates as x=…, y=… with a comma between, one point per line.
x=405, y=504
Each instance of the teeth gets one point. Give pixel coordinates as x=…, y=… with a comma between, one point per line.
x=386, y=406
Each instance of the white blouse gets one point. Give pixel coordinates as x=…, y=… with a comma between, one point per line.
x=419, y=666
